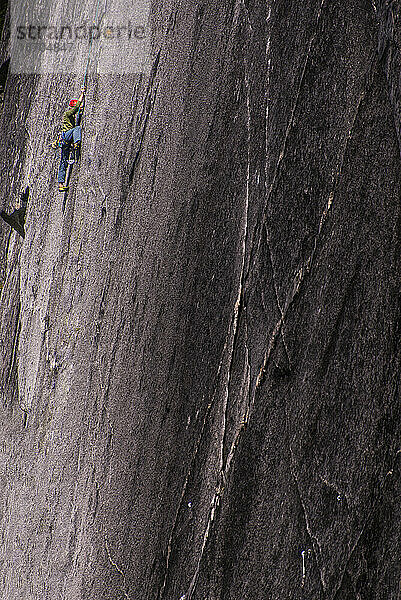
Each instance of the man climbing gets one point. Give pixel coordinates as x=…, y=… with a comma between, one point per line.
x=16, y=219
x=70, y=135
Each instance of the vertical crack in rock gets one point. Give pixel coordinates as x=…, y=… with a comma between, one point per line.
x=269, y=189
x=15, y=345
x=193, y=458
x=307, y=265
x=382, y=46
x=227, y=355
x=116, y=567
x=366, y=523
x=314, y=540
x=229, y=349
x=239, y=301
x=226, y=358
x=148, y=106
x=280, y=308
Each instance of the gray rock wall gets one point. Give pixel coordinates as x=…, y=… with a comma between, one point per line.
x=200, y=356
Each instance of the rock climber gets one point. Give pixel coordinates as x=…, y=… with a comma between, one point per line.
x=70, y=136
x=16, y=219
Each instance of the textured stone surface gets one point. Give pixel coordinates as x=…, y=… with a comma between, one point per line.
x=200, y=358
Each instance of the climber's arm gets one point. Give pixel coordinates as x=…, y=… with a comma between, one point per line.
x=75, y=109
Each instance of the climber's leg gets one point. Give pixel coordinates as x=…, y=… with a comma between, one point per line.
x=65, y=153
x=76, y=132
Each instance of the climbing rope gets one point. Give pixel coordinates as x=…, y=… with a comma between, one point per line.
x=95, y=23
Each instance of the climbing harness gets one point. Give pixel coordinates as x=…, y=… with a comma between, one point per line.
x=61, y=139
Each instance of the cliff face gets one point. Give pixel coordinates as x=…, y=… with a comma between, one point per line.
x=200, y=355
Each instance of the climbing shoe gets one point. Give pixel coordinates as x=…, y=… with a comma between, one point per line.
x=15, y=221
x=62, y=187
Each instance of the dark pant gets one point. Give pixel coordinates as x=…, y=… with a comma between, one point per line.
x=72, y=135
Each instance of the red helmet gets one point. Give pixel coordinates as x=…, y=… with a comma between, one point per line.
x=73, y=102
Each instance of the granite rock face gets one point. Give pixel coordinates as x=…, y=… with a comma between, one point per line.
x=200, y=356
